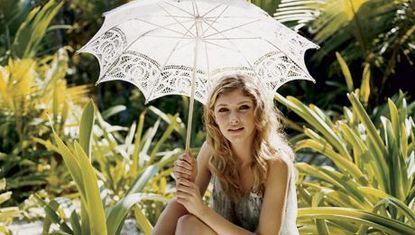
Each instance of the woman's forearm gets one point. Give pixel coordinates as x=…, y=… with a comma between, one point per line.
x=219, y=224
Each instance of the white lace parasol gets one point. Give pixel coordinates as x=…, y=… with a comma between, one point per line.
x=166, y=47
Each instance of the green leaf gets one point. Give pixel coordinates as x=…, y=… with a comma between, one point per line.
x=85, y=128
x=342, y=163
x=116, y=216
x=137, y=144
x=390, y=226
x=393, y=200
x=50, y=210
x=346, y=72
x=71, y=162
x=76, y=226
x=315, y=121
x=142, y=180
x=163, y=138
x=375, y=141
x=365, y=86
x=32, y=30
x=93, y=204
x=113, y=110
x=267, y=5
x=179, y=128
x=142, y=221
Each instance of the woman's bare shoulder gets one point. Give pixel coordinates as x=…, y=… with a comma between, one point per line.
x=205, y=154
x=206, y=150
x=279, y=170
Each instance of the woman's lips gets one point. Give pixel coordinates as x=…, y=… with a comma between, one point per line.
x=235, y=129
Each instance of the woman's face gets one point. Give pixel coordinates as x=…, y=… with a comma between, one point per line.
x=234, y=114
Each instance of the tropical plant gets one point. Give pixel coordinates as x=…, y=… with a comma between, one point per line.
x=369, y=185
x=122, y=159
x=7, y=214
x=12, y=14
x=379, y=33
x=267, y=5
x=122, y=179
x=30, y=92
x=23, y=31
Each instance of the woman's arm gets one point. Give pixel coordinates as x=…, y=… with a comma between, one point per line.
x=166, y=223
x=275, y=197
x=273, y=206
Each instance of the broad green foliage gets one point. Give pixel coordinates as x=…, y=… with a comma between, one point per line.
x=380, y=33
x=143, y=152
x=119, y=186
x=33, y=29
x=370, y=185
x=373, y=169
x=31, y=92
x=12, y=14
x=24, y=26
x=7, y=213
x=267, y=5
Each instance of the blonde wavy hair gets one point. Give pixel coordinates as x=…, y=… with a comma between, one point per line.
x=267, y=145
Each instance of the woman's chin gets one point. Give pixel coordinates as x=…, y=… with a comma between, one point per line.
x=237, y=139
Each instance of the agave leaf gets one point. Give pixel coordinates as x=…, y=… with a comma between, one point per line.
x=163, y=139
x=180, y=128
x=267, y=5
x=343, y=164
x=94, y=204
x=50, y=210
x=72, y=163
x=387, y=225
x=322, y=227
x=398, y=203
x=336, y=197
x=31, y=32
x=314, y=171
x=374, y=139
x=314, y=120
x=117, y=214
x=149, y=136
x=395, y=119
x=398, y=181
x=142, y=221
x=143, y=178
x=74, y=219
x=316, y=137
x=346, y=72
x=137, y=143
x=113, y=110
x=348, y=185
x=85, y=128
x=365, y=86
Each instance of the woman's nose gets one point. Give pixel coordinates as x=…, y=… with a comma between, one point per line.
x=234, y=119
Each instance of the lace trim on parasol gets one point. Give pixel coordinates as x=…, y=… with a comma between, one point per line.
x=273, y=69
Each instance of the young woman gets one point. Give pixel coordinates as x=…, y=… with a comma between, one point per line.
x=249, y=163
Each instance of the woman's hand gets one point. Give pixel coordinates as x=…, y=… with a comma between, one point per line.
x=188, y=194
x=185, y=167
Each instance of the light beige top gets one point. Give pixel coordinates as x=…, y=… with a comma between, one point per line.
x=246, y=212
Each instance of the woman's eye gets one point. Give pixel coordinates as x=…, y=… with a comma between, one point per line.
x=221, y=110
x=244, y=107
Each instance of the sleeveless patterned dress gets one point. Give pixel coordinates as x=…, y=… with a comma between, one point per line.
x=245, y=213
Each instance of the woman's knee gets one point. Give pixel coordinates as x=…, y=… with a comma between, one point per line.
x=166, y=223
x=174, y=205
x=188, y=224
